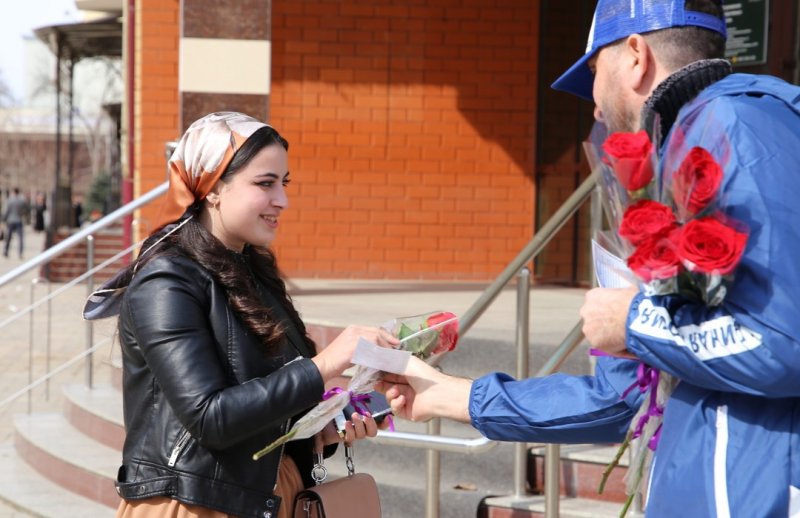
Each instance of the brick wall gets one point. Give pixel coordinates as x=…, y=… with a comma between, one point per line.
x=157, y=107
x=412, y=131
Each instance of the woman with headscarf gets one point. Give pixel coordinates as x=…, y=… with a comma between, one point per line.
x=216, y=361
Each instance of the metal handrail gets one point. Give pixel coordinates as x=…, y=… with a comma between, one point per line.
x=437, y=443
x=77, y=237
x=47, y=377
x=531, y=250
x=77, y=280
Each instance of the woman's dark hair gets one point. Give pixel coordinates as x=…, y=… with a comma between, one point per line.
x=238, y=273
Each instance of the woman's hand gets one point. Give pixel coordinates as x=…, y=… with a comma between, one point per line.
x=336, y=356
x=358, y=427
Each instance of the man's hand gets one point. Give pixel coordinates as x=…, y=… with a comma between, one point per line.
x=423, y=393
x=604, y=313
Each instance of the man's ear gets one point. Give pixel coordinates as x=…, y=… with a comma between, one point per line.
x=640, y=60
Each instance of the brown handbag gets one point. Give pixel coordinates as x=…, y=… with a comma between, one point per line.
x=353, y=495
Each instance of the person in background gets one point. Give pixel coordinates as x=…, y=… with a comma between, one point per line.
x=14, y=218
x=730, y=438
x=39, y=206
x=77, y=212
x=216, y=360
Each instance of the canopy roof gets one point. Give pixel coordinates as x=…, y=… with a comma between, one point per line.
x=102, y=37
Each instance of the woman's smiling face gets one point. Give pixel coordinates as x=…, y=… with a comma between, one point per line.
x=246, y=209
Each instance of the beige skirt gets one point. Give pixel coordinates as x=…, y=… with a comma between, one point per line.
x=289, y=483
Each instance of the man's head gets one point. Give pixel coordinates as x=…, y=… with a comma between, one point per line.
x=634, y=44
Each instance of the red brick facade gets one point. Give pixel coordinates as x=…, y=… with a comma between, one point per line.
x=412, y=134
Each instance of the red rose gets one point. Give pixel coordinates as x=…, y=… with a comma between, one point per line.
x=630, y=157
x=448, y=333
x=656, y=257
x=710, y=246
x=697, y=180
x=644, y=219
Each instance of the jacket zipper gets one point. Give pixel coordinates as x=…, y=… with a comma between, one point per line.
x=284, y=431
x=176, y=451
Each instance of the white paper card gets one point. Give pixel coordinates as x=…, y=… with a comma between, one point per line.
x=611, y=271
x=380, y=358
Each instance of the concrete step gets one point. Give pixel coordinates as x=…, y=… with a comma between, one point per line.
x=534, y=507
x=582, y=467
x=30, y=493
x=96, y=412
x=59, y=451
x=466, y=480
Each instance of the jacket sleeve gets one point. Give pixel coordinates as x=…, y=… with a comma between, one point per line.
x=557, y=408
x=168, y=310
x=751, y=342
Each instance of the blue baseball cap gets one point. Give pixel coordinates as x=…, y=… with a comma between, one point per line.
x=617, y=19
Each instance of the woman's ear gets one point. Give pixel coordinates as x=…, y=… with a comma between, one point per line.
x=213, y=198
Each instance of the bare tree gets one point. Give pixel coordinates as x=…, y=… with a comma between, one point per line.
x=6, y=97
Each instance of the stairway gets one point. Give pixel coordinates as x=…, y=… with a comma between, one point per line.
x=64, y=464
x=73, y=262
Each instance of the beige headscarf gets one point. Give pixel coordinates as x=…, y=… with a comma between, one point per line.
x=202, y=155
x=200, y=158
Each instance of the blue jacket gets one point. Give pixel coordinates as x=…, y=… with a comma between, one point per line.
x=730, y=442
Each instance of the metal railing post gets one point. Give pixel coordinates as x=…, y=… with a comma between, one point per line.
x=552, y=480
x=89, y=323
x=30, y=346
x=434, y=473
x=523, y=320
x=47, y=342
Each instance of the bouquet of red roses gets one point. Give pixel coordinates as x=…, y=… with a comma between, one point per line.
x=665, y=222
x=425, y=336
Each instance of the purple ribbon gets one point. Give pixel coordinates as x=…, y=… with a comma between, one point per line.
x=646, y=379
x=359, y=402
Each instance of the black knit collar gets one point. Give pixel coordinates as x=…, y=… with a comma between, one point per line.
x=678, y=89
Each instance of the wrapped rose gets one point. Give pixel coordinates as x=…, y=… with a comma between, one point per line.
x=707, y=245
x=645, y=219
x=696, y=182
x=631, y=158
x=424, y=345
x=425, y=336
x=656, y=257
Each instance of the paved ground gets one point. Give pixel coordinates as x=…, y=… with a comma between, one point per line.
x=339, y=302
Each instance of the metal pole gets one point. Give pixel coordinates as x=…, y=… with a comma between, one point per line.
x=49, y=332
x=434, y=473
x=523, y=312
x=552, y=477
x=89, y=323
x=30, y=346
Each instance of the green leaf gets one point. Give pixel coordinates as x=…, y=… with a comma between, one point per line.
x=404, y=331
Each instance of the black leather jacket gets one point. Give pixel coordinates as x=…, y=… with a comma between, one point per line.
x=202, y=394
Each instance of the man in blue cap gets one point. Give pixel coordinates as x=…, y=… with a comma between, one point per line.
x=730, y=439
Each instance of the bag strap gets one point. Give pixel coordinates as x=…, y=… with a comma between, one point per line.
x=319, y=472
